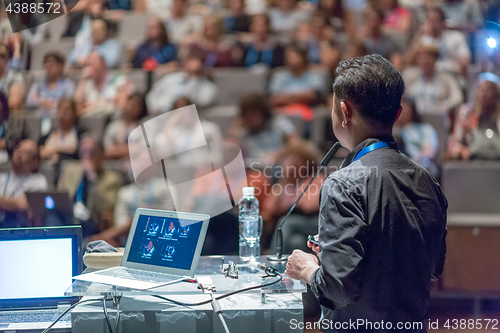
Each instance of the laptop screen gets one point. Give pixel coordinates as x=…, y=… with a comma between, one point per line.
x=37, y=265
x=165, y=241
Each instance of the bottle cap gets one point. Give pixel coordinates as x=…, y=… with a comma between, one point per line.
x=248, y=191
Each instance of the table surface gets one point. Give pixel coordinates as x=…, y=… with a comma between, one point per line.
x=208, y=265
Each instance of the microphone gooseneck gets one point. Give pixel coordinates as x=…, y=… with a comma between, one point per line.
x=279, y=234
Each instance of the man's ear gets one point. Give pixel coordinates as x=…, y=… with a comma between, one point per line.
x=346, y=113
x=399, y=113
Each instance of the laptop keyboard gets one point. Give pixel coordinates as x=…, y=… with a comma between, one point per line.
x=35, y=317
x=139, y=275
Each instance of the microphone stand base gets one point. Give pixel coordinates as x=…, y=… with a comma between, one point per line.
x=275, y=258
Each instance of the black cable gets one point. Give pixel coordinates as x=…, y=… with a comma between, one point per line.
x=106, y=314
x=67, y=310
x=220, y=297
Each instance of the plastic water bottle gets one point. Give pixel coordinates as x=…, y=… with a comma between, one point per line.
x=250, y=226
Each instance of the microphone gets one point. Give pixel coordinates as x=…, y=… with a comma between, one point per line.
x=279, y=234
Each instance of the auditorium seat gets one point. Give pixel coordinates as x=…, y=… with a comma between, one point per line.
x=441, y=126
x=94, y=124
x=132, y=29
x=234, y=83
x=223, y=116
x=33, y=125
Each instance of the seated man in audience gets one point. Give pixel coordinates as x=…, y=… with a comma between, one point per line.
x=45, y=93
x=236, y=20
x=180, y=24
x=455, y=55
x=261, y=48
x=101, y=92
x=260, y=134
x=296, y=85
x=93, y=188
x=22, y=178
x=285, y=17
x=11, y=82
x=434, y=91
x=190, y=83
x=377, y=41
x=118, y=131
x=63, y=142
x=80, y=19
x=109, y=49
x=466, y=16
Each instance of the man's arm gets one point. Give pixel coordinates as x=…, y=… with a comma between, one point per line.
x=336, y=283
x=14, y=204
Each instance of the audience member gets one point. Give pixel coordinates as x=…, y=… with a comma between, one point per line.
x=210, y=48
x=20, y=179
x=156, y=47
x=93, y=188
x=236, y=20
x=180, y=24
x=455, y=55
x=433, y=91
x=396, y=17
x=262, y=49
x=285, y=17
x=11, y=82
x=477, y=126
x=354, y=49
x=419, y=139
x=377, y=41
x=118, y=131
x=190, y=83
x=316, y=36
x=334, y=9
x=297, y=84
x=46, y=92
x=80, y=20
x=101, y=92
x=63, y=142
x=465, y=15
x=260, y=134
x=109, y=49
x=299, y=162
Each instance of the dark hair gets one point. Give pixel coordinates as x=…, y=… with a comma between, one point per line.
x=415, y=117
x=264, y=16
x=377, y=11
x=300, y=51
x=373, y=85
x=58, y=57
x=72, y=104
x=437, y=10
x=163, y=33
x=255, y=102
x=142, y=101
x=4, y=103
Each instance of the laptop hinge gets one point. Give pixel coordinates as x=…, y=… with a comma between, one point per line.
x=63, y=307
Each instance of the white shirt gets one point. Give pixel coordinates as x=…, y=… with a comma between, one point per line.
x=162, y=96
x=452, y=46
x=13, y=186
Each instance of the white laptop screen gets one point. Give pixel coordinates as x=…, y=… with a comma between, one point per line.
x=165, y=241
x=35, y=268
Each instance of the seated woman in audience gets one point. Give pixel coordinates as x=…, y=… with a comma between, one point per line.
x=11, y=82
x=433, y=91
x=260, y=134
x=316, y=36
x=262, y=49
x=396, y=18
x=297, y=84
x=236, y=20
x=419, y=139
x=100, y=92
x=209, y=47
x=46, y=92
x=117, y=132
x=477, y=126
x=299, y=162
x=285, y=17
x=156, y=47
x=109, y=49
x=63, y=142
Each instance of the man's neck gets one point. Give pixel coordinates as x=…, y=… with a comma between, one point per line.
x=52, y=80
x=297, y=72
x=367, y=133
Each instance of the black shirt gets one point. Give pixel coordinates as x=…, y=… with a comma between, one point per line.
x=382, y=228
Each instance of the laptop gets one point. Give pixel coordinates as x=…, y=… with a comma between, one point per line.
x=36, y=268
x=163, y=247
x=52, y=208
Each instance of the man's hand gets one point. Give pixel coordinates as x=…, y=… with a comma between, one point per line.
x=313, y=246
x=301, y=265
